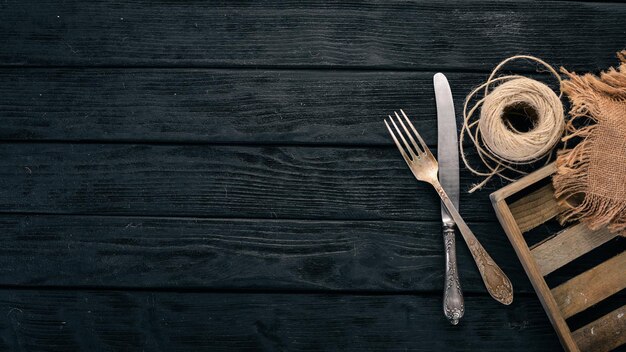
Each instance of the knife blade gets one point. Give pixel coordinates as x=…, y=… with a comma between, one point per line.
x=447, y=145
x=448, y=158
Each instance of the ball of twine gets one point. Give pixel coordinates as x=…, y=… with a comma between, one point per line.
x=502, y=147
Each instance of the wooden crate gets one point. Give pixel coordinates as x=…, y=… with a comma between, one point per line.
x=518, y=215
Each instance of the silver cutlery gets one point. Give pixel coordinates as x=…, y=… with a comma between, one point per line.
x=425, y=168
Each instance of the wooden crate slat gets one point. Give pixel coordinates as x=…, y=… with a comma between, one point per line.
x=578, y=240
x=539, y=284
x=604, y=334
x=526, y=181
x=592, y=286
x=535, y=208
x=580, y=292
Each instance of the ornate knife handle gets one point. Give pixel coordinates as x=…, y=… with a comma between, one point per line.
x=453, y=305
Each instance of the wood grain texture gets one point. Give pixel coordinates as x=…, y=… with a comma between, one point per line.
x=568, y=245
x=578, y=293
x=242, y=153
x=409, y=35
x=221, y=181
x=219, y=106
x=518, y=242
x=515, y=235
x=390, y=256
x=169, y=321
x=592, y=286
x=535, y=209
x=604, y=334
x=527, y=181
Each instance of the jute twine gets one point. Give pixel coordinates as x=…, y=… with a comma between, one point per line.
x=502, y=148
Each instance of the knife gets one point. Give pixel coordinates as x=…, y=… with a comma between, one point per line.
x=448, y=157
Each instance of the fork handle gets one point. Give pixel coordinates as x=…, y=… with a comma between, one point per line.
x=497, y=283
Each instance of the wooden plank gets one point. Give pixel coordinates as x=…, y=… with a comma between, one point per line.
x=171, y=321
x=522, y=183
x=410, y=35
x=221, y=181
x=568, y=245
x=514, y=234
x=604, y=334
x=592, y=286
x=535, y=208
x=218, y=106
x=142, y=252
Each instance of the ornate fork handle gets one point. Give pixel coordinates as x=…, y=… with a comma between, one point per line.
x=453, y=305
x=498, y=284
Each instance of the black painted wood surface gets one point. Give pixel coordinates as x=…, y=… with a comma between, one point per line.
x=433, y=35
x=190, y=175
x=174, y=321
x=242, y=106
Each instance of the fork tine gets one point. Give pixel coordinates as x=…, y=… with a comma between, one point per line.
x=406, y=144
x=406, y=157
x=417, y=149
x=424, y=146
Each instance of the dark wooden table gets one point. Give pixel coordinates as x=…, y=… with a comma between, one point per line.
x=190, y=175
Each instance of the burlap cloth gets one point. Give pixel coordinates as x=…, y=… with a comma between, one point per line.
x=591, y=177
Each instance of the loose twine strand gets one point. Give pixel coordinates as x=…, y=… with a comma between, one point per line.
x=500, y=146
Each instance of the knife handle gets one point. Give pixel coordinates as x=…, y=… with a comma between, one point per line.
x=453, y=305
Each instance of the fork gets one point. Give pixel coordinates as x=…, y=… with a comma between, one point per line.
x=425, y=168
